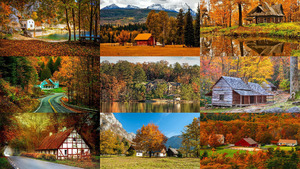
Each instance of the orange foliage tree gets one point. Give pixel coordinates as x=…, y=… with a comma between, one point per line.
x=150, y=139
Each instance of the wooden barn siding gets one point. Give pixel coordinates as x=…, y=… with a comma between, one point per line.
x=236, y=98
x=269, y=19
x=222, y=88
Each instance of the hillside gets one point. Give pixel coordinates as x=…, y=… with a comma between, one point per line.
x=174, y=142
x=126, y=16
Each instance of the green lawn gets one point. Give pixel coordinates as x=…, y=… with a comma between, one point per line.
x=4, y=164
x=148, y=163
x=285, y=148
x=58, y=90
x=219, y=150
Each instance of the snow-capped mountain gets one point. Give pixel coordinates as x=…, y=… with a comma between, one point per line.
x=112, y=6
x=132, y=7
x=109, y=122
x=158, y=7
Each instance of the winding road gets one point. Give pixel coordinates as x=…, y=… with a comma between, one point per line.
x=52, y=104
x=19, y=162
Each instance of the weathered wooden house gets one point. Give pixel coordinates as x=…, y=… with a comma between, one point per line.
x=246, y=142
x=65, y=145
x=264, y=13
x=145, y=39
x=172, y=152
x=266, y=47
x=232, y=91
x=287, y=142
x=268, y=86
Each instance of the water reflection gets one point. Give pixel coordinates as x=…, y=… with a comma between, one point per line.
x=229, y=46
x=117, y=107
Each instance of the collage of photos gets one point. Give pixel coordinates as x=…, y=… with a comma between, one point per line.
x=49, y=84
x=150, y=84
x=250, y=84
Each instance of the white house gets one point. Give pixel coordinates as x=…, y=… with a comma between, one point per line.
x=286, y=142
x=66, y=144
x=27, y=24
x=161, y=153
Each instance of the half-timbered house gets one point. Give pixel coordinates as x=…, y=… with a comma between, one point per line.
x=66, y=144
x=232, y=91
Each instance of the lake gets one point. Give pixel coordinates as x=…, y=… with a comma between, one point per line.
x=250, y=46
x=119, y=107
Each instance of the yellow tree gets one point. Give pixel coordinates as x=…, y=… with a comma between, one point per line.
x=108, y=142
x=150, y=139
x=123, y=37
x=4, y=13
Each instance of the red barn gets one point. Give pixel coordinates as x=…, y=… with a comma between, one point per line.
x=246, y=142
x=144, y=39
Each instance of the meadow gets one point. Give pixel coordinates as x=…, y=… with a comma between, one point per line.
x=146, y=162
x=168, y=50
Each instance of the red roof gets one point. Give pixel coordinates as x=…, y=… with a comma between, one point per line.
x=55, y=140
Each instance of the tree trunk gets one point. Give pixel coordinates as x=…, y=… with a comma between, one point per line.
x=294, y=73
x=91, y=19
x=242, y=48
x=230, y=17
x=73, y=15
x=96, y=22
x=240, y=15
x=79, y=9
x=150, y=154
x=67, y=18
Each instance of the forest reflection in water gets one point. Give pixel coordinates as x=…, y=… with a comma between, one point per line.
x=119, y=107
x=252, y=46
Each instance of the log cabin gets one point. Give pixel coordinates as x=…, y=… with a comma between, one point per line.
x=264, y=13
x=68, y=144
x=232, y=91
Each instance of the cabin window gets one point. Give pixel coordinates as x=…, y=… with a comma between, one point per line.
x=265, y=20
x=66, y=151
x=74, y=139
x=221, y=96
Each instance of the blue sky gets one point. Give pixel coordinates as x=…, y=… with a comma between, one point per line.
x=170, y=124
x=171, y=60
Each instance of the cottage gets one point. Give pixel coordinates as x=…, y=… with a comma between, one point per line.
x=172, y=152
x=139, y=153
x=246, y=142
x=65, y=145
x=48, y=84
x=160, y=153
x=173, y=87
x=286, y=142
x=27, y=24
x=268, y=86
x=264, y=13
x=232, y=91
x=145, y=39
x=221, y=138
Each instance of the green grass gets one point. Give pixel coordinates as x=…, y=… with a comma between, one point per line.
x=296, y=53
x=4, y=164
x=58, y=90
x=285, y=148
x=221, y=150
x=208, y=29
x=149, y=163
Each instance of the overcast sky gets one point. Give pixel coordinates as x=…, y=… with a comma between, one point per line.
x=146, y=3
x=171, y=60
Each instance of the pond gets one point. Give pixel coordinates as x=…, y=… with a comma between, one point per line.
x=251, y=46
x=62, y=36
x=119, y=107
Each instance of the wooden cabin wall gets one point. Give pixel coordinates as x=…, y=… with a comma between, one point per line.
x=222, y=88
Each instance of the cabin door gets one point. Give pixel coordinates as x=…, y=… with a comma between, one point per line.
x=252, y=99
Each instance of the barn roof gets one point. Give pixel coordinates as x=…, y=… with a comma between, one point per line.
x=55, y=140
x=287, y=141
x=266, y=10
x=257, y=88
x=250, y=140
x=143, y=36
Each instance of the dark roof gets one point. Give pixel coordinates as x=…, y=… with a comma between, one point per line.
x=173, y=150
x=266, y=10
x=250, y=140
x=236, y=83
x=55, y=140
x=257, y=88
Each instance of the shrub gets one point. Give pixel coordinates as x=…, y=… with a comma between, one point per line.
x=50, y=157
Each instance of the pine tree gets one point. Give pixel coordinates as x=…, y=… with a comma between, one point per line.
x=197, y=28
x=189, y=38
x=180, y=26
x=50, y=65
x=46, y=73
x=57, y=64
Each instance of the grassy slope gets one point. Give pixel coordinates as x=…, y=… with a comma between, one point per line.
x=291, y=30
x=140, y=162
x=4, y=164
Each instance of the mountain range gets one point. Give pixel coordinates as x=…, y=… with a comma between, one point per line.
x=174, y=142
x=158, y=7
